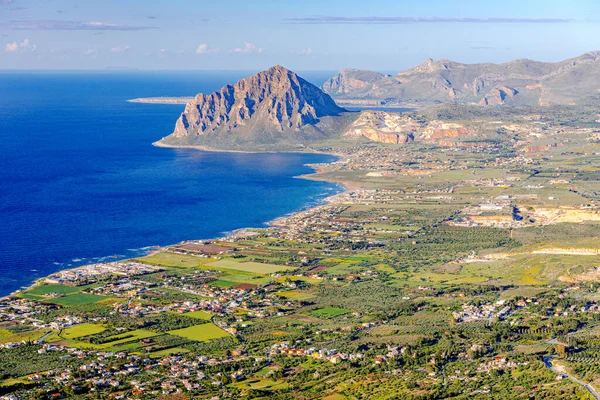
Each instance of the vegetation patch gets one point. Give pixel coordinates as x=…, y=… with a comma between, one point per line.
x=248, y=266
x=203, y=315
x=77, y=299
x=52, y=288
x=200, y=333
x=330, y=312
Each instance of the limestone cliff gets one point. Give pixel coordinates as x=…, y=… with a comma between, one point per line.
x=268, y=107
x=397, y=128
x=384, y=127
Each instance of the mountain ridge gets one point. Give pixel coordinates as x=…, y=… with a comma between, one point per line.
x=518, y=82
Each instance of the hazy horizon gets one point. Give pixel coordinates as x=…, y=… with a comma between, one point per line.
x=379, y=35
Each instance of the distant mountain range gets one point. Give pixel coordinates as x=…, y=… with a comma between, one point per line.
x=519, y=82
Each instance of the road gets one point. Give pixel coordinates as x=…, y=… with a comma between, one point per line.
x=548, y=364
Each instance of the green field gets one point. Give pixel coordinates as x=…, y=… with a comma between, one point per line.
x=76, y=331
x=8, y=336
x=77, y=299
x=173, y=260
x=116, y=340
x=168, y=352
x=222, y=283
x=200, y=333
x=295, y=295
x=330, y=311
x=199, y=315
x=47, y=289
x=249, y=266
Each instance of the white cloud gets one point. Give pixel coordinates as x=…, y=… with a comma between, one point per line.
x=206, y=49
x=119, y=49
x=303, y=52
x=59, y=25
x=248, y=48
x=11, y=47
x=90, y=52
x=22, y=47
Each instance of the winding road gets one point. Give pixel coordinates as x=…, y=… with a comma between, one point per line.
x=548, y=364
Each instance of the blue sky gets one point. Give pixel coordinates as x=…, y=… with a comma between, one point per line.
x=382, y=35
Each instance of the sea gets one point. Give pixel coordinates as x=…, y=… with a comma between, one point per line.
x=81, y=183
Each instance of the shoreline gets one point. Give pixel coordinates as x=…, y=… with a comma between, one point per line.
x=158, y=143
x=317, y=170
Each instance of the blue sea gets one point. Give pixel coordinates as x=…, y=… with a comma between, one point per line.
x=80, y=181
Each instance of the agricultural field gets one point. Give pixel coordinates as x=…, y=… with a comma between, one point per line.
x=203, y=315
x=53, y=288
x=201, y=333
x=166, y=259
x=76, y=331
x=248, y=266
x=77, y=299
x=330, y=312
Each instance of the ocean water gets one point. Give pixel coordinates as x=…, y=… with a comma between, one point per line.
x=80, y=181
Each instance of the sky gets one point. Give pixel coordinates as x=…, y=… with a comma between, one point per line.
x=381, y=35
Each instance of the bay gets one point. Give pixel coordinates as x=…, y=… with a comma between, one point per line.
x=80, y=181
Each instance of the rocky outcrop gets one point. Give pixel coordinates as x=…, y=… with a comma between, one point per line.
x=384, y=127
x=270, y=103
x=349, y=79
x=519, y=82
x=498, y=96
x=398, y=128
x=444, y=130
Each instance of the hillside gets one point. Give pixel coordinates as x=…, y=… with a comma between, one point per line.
x=519, y=82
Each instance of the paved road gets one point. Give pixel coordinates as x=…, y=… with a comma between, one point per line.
x=548, y=364
x=41, y=340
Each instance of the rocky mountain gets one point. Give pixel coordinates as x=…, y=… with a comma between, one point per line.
x=271, y=107
x=520, y=82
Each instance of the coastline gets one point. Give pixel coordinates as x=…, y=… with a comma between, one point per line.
x=317, y=170
x=158, y=143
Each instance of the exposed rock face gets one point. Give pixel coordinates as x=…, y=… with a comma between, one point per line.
x=349, y=79
x=517, y=82
x=397, y=128
x=272, y=102
x=444, y=130
x=384, y=127
x=497, y=96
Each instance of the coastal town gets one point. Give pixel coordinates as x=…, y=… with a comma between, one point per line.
x=424, y=276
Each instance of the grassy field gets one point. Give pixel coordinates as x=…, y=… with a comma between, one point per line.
x=200, y=333
x=245, y=277
x=47, y=289
x=199, y=315
x=249, y=266
x=330, y=312
x=173, y=260
x=8, y=336
x=76, y=299
x=115, y=340
x=76, y=331
x=265, y=384
x=168, y=352
x=295, y=295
